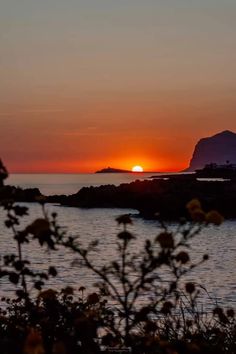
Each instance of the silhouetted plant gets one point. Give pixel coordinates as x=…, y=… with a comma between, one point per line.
x=134, y=306
x=128, y=279
x=14, y=265
x=3, y=173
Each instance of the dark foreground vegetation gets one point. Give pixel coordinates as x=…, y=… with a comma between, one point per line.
x=140, y=302
x=114, y=317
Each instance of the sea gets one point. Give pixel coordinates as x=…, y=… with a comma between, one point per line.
x=217, y=275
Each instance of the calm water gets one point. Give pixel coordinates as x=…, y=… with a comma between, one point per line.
x=50, y=184
x=218, y=274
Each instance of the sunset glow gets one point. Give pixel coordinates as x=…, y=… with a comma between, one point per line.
x=90, y=84
x=137, y=169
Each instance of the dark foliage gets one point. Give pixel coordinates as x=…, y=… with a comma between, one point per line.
x=40, y=320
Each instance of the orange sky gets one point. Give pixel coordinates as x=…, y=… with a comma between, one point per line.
x=86, y=85
x=157, y=135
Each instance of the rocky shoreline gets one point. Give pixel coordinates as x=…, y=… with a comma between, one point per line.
x=18, y=194
x=166, y=197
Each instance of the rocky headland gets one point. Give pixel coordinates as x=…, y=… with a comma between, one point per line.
x=165, y=197
x=18, y=194
x=218, y=149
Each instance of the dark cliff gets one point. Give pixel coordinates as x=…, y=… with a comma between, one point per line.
x=219, y=149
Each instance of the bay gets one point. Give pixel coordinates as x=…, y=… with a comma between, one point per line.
x=217, y=274
x=50, y=184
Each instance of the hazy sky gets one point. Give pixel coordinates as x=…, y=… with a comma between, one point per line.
x=87, y=84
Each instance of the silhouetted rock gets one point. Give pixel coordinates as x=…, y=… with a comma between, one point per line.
x=18, y=194
x=166, y=197
x=112, y=170
x=219, y=149
x=227, y=171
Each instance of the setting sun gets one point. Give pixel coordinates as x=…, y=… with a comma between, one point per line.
x=137, y=169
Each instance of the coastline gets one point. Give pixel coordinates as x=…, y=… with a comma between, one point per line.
x=165, y=196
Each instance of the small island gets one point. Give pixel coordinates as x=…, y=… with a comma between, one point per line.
x=112, y=170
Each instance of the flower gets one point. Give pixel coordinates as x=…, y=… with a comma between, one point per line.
x=182, y=257
x=218, y=311
x=124, y=219
x=190, y=288
x=68, y=290
x=82, y=288
x=93, y=299
x=193, y=204
x=165, y=240
x=230, y=313
x=198, y=215
x=39, y=227
x=195, y=210
x=125, y=235
x=213, y=217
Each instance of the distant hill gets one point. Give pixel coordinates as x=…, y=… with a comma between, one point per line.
x=112, y=170
x=219, y=149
